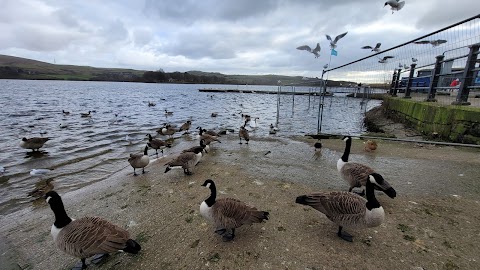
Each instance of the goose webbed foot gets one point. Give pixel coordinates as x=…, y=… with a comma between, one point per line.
x=228, y=237
x=99, y=258
x=134, y=173
x=80, y=265
x=220, y=231
x=143, y=171
x=344, y=235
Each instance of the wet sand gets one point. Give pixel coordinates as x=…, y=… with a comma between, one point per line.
x=431, y=224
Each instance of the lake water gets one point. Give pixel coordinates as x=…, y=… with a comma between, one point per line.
x=86, y=150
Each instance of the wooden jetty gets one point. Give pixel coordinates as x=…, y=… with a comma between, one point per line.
x=213, y=90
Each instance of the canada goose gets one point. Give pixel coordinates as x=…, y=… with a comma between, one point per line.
x=208, y=137
x=168, y=113
x=228, y=213
x=243, y=133
x=370, y=145
x=214, y=114
x=42, y=189
x=211, y=133
x=157, y=144
x=168, y=130
x=34, y=143
x=139, y=160
x=347, y=209
x=356, y=174
x=85, y=114
x=273, y=129
x=246, y=118
x=86, y=236
x=151, y=104
x=186, y=161
x=202, y=147
x=65, y=112
x=186, y=126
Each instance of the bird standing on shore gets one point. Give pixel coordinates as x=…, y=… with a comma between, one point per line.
x=87, y=236
x=356, y=174
x=139, y=160
x=227, y=214
x=347, y=209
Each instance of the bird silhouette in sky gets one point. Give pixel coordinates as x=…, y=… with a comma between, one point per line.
x=434, y=43
x=333, y=43
x=395, y=5
x=307, y=48
x=384, y=59
x=374, y=49
x=414, y=60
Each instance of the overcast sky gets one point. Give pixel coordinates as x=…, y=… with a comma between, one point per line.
x=226, y=36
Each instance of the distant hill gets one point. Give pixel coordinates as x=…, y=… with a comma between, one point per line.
x=12, y=67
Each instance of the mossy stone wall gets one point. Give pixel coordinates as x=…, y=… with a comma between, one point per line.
x=451, y=123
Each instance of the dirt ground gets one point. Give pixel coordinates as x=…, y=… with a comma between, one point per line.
x=431, y=224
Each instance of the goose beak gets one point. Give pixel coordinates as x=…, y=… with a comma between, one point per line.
x=391, y=192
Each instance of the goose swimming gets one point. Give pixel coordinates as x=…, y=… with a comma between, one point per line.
x=34, y=143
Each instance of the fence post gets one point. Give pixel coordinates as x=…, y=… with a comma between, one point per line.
x=410, y=80
x=468, y=79
x=397, y=81
x=434, y=79
x=392, y=85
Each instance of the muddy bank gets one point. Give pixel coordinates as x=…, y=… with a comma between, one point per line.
x=432, y=224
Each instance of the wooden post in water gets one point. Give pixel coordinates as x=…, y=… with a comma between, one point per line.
x=397, y=80
x=392, y=85
x=468, y=76
x=434, y=79
x=410, y=80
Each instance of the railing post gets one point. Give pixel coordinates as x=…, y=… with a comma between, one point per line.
x=397, y=81
x=434, y=79
x=392, y=85
x=468, y=79
x=410, y=80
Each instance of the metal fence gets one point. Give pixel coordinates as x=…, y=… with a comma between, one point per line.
x=425, y=68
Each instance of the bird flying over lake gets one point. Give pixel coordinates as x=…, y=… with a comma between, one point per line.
x=384, y=59
x=307, y=48
x=374, y=49
x=395, y=4
x=333, y=44
x=434, y=43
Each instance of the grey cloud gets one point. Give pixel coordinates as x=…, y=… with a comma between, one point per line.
x=114, y=32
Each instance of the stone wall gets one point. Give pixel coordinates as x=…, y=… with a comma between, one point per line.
x=450, y=123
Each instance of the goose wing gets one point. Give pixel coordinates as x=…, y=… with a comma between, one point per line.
x=356, y=174
x=182, y=160
x=88, y=236
x=232, y=213
x=339, y=206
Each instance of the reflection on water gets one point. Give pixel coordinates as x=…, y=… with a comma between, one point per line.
x=83, y=150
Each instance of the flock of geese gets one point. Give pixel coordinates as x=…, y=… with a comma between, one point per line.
x=93, y=236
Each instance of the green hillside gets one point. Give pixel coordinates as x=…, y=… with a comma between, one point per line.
x=12, y=67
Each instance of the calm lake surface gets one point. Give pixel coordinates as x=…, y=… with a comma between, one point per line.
x=86, y=150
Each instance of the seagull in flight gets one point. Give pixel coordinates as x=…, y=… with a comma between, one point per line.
x=333, y=44
x=384, y=59
x=434, y=43
x=374, y=49
x=325, y=66
x=307, y=48
x=395, y=4
x=414, y=60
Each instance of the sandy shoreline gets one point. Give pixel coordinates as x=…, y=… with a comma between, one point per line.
x=432, y=224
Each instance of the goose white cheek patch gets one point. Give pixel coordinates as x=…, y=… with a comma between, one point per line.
x=48, y=199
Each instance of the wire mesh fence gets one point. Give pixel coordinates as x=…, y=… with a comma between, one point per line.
x=441, y=67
